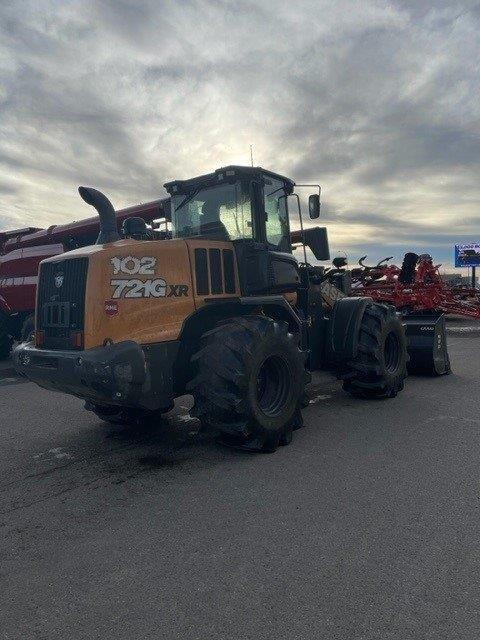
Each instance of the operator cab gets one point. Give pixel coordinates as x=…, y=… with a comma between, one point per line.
x=233, y=203
x=247, y=206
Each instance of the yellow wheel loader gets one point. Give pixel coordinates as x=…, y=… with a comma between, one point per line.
x=217, y=306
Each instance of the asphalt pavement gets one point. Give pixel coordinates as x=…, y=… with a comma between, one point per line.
x=366, y=527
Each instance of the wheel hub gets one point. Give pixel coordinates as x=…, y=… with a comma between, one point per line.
x=273, y=385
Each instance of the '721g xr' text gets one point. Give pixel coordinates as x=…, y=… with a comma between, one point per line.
x=157, y=288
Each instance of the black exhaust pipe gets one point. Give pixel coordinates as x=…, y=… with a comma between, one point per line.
x=106, y=213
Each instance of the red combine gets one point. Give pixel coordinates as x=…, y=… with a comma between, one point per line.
x=22, y=250
x=415, y=287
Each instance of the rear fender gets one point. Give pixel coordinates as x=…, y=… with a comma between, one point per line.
x=205, y=317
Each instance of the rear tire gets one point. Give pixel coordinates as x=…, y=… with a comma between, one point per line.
x=6, y=339
x=380, y=368
x=250, y=382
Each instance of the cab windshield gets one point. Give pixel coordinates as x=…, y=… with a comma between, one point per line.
x=220, y=212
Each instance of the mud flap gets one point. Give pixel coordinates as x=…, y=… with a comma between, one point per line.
x=427, y=345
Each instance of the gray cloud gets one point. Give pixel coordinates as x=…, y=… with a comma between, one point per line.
x=379, y=101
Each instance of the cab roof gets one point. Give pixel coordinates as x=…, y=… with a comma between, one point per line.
x=228, y=174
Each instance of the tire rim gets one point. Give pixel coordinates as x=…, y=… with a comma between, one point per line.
x=391, y=352
x=273, y=385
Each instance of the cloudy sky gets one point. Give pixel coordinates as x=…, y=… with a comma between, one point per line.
x=378, y=101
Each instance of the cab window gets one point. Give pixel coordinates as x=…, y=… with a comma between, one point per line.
x=236, y=216
x=222, y=212
x=277, y=227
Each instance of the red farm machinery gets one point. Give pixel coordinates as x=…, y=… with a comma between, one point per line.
x=416, y=287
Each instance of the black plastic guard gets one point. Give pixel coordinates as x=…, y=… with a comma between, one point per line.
x=427, y=345
x=344, y=327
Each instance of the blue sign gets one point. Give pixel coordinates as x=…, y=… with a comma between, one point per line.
x=467, y=255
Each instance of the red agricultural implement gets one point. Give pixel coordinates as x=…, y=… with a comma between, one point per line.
x=415, y=287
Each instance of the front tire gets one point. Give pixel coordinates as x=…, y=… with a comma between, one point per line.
x=380, y=368
x=250, y=381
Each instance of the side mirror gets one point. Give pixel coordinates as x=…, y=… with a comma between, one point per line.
x=314, y=206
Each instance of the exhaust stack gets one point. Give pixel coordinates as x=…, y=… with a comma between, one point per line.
x=106, y=213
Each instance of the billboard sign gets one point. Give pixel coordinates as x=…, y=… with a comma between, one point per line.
x=467, y=255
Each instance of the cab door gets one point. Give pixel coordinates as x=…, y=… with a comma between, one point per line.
x=283, y=266
x=265, y=261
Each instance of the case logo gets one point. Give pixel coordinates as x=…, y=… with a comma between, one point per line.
x=59, y=280
x=136, y=288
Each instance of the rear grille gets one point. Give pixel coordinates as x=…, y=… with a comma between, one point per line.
x=61, y=301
